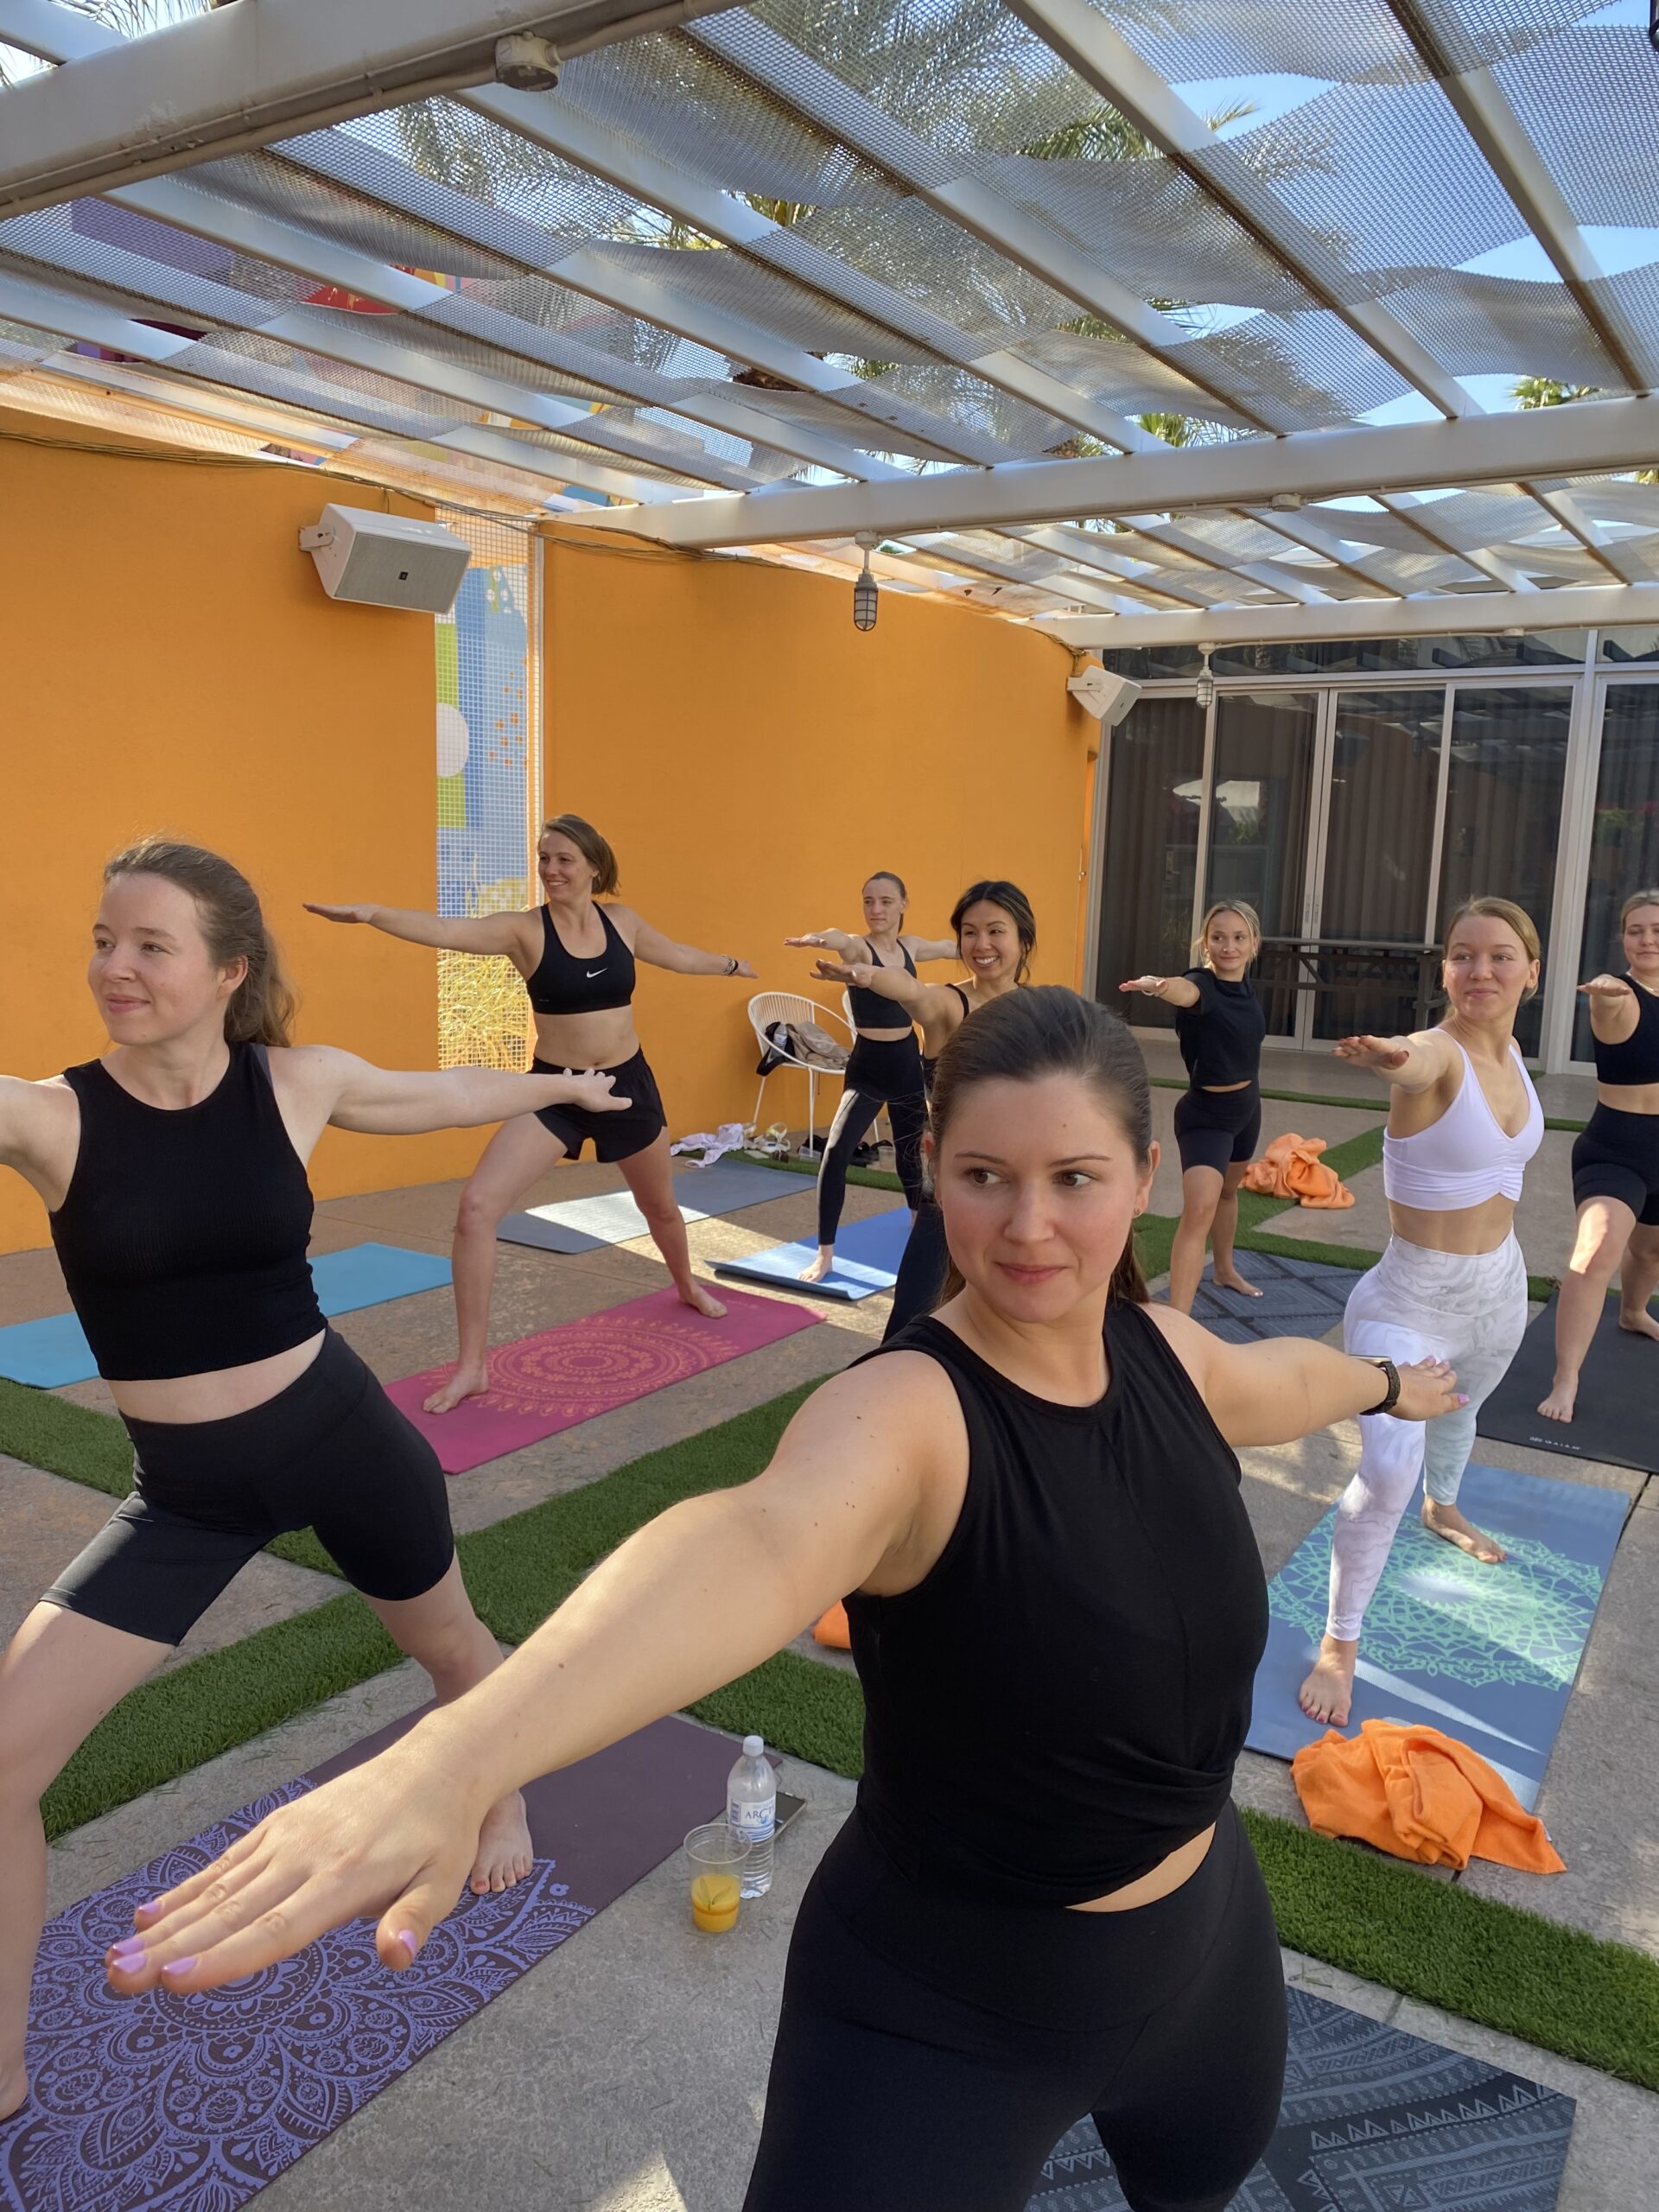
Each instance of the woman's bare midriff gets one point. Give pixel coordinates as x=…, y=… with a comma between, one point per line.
x=587, y=1041
x=1168, y=1875
x=886, y=1036
x=1467, y=1230
x=1220, y=1089
x=1629, y=1097
x=219, y=1395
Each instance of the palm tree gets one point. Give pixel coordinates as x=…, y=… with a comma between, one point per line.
x=1545, y=391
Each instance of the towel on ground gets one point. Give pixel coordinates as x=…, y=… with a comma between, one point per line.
x=1291, y=1168
x=1420, y=1795
x=833, y=1629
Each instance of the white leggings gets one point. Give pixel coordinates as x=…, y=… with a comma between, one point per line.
x=1470, y=1308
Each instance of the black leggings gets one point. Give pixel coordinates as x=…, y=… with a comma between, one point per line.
x=880, y=1072
x=932, y=2050
x=922, y=1270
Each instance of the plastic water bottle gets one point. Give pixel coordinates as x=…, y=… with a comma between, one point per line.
x=752, y=1811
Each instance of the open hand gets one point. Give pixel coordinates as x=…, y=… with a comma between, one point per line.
x=1606, y=987
x=387, y=1840
x=1383, y=1052
x=857, y=973
x=1428, y=1388
x=594, y=1091
x=743, y=969
x=1152, y=985
x=340, y=914
x=815, y=938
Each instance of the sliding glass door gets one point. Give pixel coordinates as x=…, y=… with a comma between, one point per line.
x=1623, y=833
x=1150, y=864
x=1262, y=805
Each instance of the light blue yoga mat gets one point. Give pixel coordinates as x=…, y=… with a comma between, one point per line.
x=51, y=1352
x=612, y=1217
x=868, y=1254
x=1485, y=1653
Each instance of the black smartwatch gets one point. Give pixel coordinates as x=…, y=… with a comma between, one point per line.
x=1393, y=1397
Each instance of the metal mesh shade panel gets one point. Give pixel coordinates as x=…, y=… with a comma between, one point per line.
x=486, y=689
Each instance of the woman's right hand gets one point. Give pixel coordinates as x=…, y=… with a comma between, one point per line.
x=1380, y=1052
x=393, y=1839
x=340, y=914
x=815, y=939
x=1152, y=985
x=594, y=1093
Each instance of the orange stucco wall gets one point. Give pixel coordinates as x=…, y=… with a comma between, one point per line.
x=752, y=757
x=171, y=662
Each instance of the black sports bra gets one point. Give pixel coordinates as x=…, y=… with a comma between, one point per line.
x=1636, y=1060
x=870, y=1009
x=928, y=1065
x=564, y=984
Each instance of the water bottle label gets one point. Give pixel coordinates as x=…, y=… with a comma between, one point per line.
x=753, y=1821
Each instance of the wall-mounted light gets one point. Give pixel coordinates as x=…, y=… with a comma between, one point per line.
x=865, y=598
x=1206, y=690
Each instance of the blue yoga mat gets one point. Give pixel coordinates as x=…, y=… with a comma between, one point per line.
x=1485, y=1653
x=868, y=1254
x=612, y=1216
x=1300, y=1298
x=51, y=1352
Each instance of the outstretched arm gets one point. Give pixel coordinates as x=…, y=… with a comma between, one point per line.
x=449, y=933
x=1613, y=1009
x=709, y=1589
x=659, y=951
x=1286, y=1388
x=916, y=997
x=1413, y=1063
x=841, y=942
x=932, y=948
x=335, y=1088
x=1174, y=991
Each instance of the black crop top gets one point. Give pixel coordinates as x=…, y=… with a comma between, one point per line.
x=1221, y=1037
x=1636, y=1060
x=182, y=1235
x=870, y=1009
x=564, y=984
x=928, y=1065
x=1059, y=1704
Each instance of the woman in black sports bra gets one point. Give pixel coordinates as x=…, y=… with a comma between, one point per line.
x=174, y=1169
x=994, y=934
x=1616, y=1160
x=885, y=1068
x=1044, y=1903
x=577, y=960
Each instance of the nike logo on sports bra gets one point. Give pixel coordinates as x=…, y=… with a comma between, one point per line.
x=592, y=972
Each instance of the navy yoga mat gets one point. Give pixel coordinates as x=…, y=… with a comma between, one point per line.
x=193, y=2104
x=1371, y=2117
x=868, y=1254
x=1617, y=1414
x=53, y=1352
x=612, y=1216
x=1300, y=1298
x=1485, y=1653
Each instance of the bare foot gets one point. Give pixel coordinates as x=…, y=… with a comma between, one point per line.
x=1233, y=1280
x=820, y=1267
x=1328, y=1692
x=467, y=1381
x=1446, y=1520
x=701, y=1301
x=504, y=1851
x=14, y=2093
x=1563, y=1396
x=1639, y=1325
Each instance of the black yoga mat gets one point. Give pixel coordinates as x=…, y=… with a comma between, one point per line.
x=1617, y=1414
x=1371, y=2117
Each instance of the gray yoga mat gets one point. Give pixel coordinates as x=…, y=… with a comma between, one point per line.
x=1300, y=1298
x=612, y=1216
x=1615, y=1417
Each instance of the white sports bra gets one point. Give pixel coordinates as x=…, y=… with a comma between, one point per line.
x=1465, y=1157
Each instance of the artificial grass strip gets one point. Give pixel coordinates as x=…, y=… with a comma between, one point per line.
x=875, y=1179
x=1348, y=1105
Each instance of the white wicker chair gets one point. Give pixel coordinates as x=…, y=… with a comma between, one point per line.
x=766, y=1007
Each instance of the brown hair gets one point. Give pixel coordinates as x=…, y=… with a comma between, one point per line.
x=996, y=891
x=592, y=848
x=1048, y=1030
x=1636, y=899
x=1247, y=914
x=886, y=875
x=1515, y=918
x=261, y=1009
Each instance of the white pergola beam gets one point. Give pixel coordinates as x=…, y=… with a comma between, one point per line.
x=237, y=78
x=1476, y=614
x=1589, y=438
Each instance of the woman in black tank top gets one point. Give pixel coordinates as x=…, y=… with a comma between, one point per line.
x=577, y=959
x=884, y=1067
x=174, y=1170
x=1615, y=1159
x=1044, y=1903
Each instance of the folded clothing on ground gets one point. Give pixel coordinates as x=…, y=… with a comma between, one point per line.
x=1419, y=1795
x=1291, y=1168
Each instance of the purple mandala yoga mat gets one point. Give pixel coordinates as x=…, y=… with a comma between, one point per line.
x=195, y=2104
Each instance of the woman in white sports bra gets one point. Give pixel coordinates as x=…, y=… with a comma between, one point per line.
x=1464, y=1119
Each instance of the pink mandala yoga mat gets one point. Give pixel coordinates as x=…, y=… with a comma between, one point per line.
x=554, y=1380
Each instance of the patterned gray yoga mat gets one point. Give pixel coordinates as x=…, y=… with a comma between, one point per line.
x=1300, y=1298
x=1372, y=2118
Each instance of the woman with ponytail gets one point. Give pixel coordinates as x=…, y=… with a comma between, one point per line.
x=174, y=1173
x=1044, y=1903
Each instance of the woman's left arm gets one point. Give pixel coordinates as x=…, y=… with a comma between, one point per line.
x=659, y=951
x=1289, y=1386
x=337, y=1089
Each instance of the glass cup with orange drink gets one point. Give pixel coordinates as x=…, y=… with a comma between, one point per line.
x=715, y=1855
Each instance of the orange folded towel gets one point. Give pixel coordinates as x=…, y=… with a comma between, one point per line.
x=1420, y=1795
x=1291, y=1168
x=833, y=1629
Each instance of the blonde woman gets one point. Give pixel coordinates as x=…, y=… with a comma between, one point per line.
x=1464, y=1119
x=1616, y=1160
x=1219, y=1025
x=578, y=960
